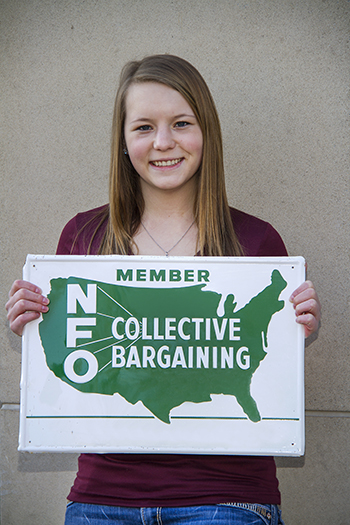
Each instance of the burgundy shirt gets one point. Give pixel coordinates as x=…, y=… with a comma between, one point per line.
x=170, y=480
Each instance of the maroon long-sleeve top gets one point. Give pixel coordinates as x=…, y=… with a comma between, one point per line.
x=170, y=480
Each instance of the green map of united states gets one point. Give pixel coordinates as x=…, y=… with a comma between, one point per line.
x=161, y=346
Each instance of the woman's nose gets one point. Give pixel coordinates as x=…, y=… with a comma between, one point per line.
x=164, y=139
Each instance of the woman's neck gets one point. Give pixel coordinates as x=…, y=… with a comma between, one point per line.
x=169, y=205
x=167, y=224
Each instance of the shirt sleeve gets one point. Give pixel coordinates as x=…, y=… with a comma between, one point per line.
x=271, y=244
x=67, y=239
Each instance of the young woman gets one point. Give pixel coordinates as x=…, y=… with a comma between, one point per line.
x=167, y=197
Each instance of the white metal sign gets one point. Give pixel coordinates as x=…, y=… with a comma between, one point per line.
x=164, y=354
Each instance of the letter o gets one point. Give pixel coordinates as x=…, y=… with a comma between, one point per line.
x=69, y=366
x=134, y=321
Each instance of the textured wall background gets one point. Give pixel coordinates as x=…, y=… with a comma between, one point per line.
x=279, y=72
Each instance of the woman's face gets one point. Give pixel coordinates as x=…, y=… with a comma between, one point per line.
x=163, y=138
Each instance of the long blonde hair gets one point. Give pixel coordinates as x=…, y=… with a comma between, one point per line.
x=216, y=235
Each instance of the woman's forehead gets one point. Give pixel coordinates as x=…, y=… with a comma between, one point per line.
x=154, y=97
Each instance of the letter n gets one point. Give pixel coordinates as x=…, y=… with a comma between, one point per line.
x=76, y=294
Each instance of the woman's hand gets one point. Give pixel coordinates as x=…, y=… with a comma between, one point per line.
x=25, y=304
x=307, y=307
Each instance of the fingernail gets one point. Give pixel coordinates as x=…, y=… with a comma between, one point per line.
x=46, y=300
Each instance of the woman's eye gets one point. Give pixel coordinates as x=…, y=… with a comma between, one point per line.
x=181, y=124
x=145, y=127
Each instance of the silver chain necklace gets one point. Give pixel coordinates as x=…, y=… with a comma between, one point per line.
x=159, y=246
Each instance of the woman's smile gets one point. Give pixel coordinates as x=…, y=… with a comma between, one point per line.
x=166, y=163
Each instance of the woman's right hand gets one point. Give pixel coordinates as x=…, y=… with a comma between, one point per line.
x=25, y=304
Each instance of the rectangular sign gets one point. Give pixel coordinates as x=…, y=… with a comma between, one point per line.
x=164, y=354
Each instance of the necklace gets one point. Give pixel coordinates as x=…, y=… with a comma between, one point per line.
x=159, y=246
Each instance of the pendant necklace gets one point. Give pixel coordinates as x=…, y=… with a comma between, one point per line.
x=159, y=246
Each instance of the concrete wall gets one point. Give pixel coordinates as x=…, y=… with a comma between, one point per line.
x=279, y=72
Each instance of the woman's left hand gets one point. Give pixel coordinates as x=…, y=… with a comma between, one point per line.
x=307, y=307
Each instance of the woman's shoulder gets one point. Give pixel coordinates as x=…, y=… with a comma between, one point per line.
x=81, y=229
x=256, y=236
x=84, y=217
